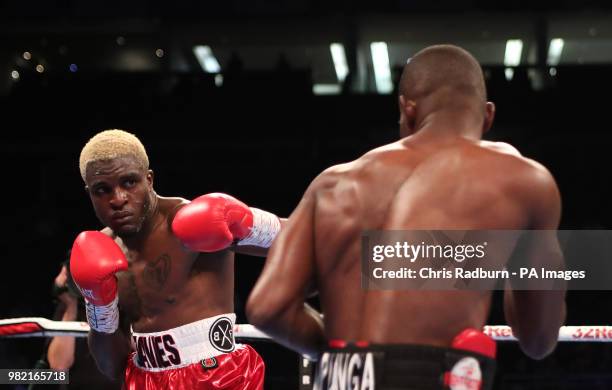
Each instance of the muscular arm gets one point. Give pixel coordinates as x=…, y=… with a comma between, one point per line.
x=277, y=302
x=110, y=351
x=536, y=316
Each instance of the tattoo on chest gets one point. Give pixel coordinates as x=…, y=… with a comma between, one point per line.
x=156, y=272
x=131, y=304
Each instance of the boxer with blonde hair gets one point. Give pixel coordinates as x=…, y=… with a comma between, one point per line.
x=168, y=264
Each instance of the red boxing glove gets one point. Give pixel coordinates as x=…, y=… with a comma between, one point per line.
x=475, y=341
x=212, y=222
x=94, y=260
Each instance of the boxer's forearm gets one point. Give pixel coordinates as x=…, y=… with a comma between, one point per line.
x=299, y=328
x=110, y=351
x=306, y=333
x=535, y=318
x=256, y=250
x=536, y=315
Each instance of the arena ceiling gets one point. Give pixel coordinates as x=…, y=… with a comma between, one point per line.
x=151, y=36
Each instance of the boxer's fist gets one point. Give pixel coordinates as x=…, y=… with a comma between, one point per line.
x=212, y=222
x=94, y=260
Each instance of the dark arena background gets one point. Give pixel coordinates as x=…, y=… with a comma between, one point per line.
x=255, y=98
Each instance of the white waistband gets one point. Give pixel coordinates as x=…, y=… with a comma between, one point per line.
x=186, y=344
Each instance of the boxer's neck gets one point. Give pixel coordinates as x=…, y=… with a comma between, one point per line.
x=450, y=123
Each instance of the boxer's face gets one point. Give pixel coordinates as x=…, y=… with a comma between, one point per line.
x=121, y=193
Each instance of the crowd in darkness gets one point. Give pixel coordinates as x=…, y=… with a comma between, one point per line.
x=263, y=137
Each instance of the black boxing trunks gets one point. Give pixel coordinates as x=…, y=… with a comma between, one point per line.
x=408, y=367
x=199, y=355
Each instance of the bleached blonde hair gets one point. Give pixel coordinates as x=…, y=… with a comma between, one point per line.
x=110, y=144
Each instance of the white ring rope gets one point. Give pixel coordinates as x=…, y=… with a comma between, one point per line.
x=42, y=327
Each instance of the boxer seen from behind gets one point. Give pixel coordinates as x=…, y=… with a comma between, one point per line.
x=439, y=176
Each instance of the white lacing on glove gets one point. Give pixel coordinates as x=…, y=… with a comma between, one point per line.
x=103, y=319
x=265, y=228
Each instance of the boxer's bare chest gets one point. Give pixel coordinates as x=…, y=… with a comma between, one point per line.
x=158, y=274
x=167, y=285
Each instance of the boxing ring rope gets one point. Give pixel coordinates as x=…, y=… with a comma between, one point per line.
x=43, y=327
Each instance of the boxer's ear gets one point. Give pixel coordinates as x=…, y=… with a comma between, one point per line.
x=150, y=176
x=489, y=116
x=407, y=120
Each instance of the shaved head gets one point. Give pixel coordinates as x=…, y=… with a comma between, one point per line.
x=443, y=70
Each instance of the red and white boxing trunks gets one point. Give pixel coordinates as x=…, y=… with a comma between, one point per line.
x=200, y=355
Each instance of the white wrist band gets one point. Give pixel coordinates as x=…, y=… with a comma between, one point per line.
x=103, y=319
x=265, y=228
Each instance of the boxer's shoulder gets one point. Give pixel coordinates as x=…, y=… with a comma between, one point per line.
x=506, y=154
x=355, y=171
x=169, y=206
x=387, y=150
x=170, y=203
x=500, y=147
x=330, y=176
x=521, y=173
x=522, y=165
x=538, y=177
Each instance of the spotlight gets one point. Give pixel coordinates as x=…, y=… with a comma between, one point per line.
x=207, y=59
x=382, y=69
x=514, y=49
